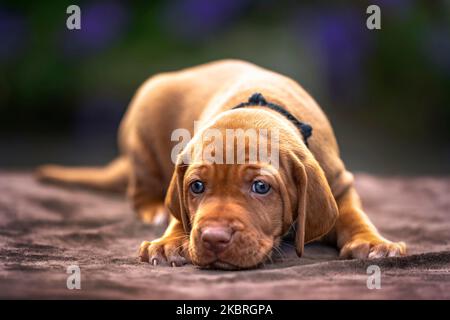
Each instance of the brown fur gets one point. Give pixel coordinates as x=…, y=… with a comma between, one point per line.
x=311, y=186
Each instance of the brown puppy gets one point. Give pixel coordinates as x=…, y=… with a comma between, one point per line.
x=232, y=215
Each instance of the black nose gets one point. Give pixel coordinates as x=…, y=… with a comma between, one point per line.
x=216, y=238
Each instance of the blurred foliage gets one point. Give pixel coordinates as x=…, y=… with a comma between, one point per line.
x=396, y=79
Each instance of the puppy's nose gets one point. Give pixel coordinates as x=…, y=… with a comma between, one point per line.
x=216, y=238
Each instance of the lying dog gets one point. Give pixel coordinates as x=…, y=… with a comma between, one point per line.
x=224, y=215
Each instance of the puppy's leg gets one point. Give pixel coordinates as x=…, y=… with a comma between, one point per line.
x=146, y=193
x=356, y=236
x=171, y=248
x=146, y=186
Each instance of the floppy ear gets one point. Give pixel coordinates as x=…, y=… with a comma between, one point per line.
x=175, y=198
x=317, y=209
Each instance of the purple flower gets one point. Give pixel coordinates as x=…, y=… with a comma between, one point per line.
x=198, y=19
x=341, y=43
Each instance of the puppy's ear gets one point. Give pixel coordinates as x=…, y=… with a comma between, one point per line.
x=175, y=199
x=317, y=209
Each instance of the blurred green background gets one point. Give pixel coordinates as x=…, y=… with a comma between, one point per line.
x=386, y=92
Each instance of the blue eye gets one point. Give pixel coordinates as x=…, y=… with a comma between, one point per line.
x=197, y=187
x=260, y=187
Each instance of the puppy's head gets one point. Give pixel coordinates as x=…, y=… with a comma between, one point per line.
x=237, y=213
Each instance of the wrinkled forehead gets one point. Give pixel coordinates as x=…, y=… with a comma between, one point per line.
x=234, y=146
x=227, y=172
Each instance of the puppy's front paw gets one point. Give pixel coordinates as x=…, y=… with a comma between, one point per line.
x=372, y=247
x=165, y=251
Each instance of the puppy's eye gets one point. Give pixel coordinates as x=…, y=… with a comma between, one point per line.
x=260, y=187
x=197, y=187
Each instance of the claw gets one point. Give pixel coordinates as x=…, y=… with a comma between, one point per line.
x=363, y=249
x=162, y=252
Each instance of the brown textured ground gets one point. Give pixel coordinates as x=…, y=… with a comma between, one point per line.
x=44, y=229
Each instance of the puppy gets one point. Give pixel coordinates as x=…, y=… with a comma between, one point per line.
x=223, y=214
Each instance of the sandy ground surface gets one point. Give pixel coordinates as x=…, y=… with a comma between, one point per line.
x=44, y=229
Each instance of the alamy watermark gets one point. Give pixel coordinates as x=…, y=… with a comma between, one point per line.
x=73, y=21
x=231, y=146
x=74, y=280
x=373, y=22
x=374, y=278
